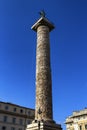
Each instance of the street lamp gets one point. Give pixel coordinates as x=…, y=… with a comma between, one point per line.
x=39, y=113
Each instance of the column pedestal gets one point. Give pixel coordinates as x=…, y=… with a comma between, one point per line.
x=44, y=126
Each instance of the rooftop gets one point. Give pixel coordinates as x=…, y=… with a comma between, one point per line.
x=15, y=105
x=76, y=114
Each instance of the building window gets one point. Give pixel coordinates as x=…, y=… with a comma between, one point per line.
x=83, y=117
x=28, y=122
x=3, y=128
x=80, y=127
x=21, y=111
x=12, y=128
x=20, y=129
x=29, y=112
x=15, y=109
x=86, y=126
x=21, y=122
x=6, y=107
x=5, y=119
x=14, y=120
x=79, y=118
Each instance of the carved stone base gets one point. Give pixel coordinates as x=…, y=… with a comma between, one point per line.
x=43, y=126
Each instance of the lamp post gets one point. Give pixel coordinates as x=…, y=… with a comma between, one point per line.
x=39, y=113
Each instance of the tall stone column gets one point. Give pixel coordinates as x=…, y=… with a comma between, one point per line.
x=43, y=74
x=43, y=111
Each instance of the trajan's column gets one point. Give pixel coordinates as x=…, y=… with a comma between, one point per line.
x=43, y=111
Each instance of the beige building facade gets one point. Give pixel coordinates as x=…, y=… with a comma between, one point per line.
x=77, y=121
x=15, y=117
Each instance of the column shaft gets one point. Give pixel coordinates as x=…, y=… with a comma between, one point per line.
x=43, y=75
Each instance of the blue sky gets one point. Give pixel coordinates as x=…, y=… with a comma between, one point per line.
x=68, y=43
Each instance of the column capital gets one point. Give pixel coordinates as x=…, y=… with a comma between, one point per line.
x=43, y=21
